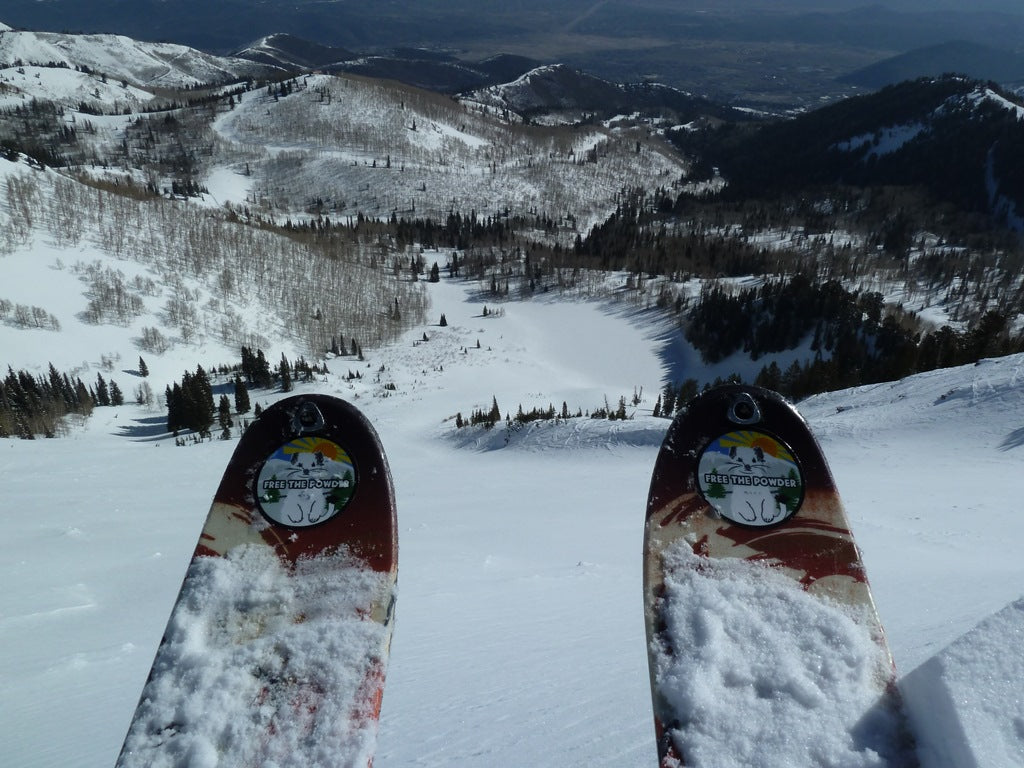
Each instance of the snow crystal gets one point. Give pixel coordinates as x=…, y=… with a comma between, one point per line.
x=763, y=673
x=264, y=665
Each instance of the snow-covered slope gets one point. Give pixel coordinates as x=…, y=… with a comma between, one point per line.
x=290, y=53
x=519, y=626
x=370, y=146
x=164, y=65
x=19, y=86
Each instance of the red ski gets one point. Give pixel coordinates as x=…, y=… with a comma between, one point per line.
x=764, y=644
x=276, y=649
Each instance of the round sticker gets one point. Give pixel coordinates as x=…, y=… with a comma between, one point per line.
x=750, y=478
x=306, y=482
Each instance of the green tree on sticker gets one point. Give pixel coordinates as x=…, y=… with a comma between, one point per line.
x=339, y=496
x=271, y=495
x=790, y=497
x=715, y=490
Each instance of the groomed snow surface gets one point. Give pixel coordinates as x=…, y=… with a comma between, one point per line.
x=519, y=636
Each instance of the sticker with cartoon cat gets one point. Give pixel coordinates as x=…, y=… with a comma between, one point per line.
x=750, y=478
x=306, y=482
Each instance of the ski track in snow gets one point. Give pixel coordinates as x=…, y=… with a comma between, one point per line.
x=519, y=635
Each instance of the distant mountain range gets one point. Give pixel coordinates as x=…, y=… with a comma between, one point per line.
x=958, y=137
x=503, y=82
x=960, y=56
x=790, y=53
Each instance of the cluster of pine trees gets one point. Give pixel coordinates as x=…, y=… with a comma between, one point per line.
x=777, y=316
x=673, y=397
x=36, y=405
x=190, y=403
x=853, y=340
x=258, y=372
x=895, y=356
x=338, y=347
x=488, y=418
x=480, y=417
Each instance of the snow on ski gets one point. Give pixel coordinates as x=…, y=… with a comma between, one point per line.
x=276, y=649
x=764, y=644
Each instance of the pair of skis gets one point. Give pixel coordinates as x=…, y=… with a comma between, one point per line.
x=763, y=640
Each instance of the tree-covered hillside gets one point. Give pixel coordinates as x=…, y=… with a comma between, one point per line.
x=959, y=139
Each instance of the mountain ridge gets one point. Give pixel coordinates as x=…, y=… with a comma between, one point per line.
x=961, y=57
x=787, y=55
x=123, y=58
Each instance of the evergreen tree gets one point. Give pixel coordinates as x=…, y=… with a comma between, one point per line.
x=668, y=399
x=256, y=368
x=286, y=374
x=224, y=416
x=175, y=421
x=203, y=400
x=242, y=404
x=102, y=392
x=143, y=368
x=116, y=395
x=82, y=395
x=687, y=391
x=620, y=412
x=190, y=404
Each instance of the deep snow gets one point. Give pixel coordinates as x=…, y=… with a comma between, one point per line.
x=519, y=634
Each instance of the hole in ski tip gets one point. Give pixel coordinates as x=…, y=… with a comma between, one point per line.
x=308, y=418
x=744, y=410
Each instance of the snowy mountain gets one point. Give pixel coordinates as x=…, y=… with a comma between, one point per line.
x=152, y=65
x=338, y=146
x=290, y=53
x=560, y=91
x=520, y=548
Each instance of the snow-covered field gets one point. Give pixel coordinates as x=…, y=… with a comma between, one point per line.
x=519, y=636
